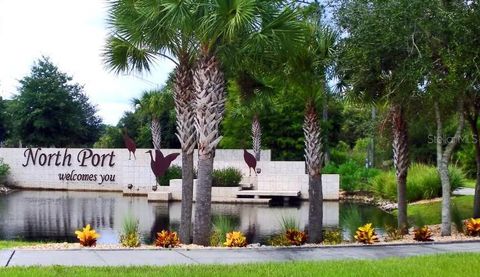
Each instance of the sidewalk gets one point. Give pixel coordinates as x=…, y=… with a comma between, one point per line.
x=92, y=257
x=464, y=191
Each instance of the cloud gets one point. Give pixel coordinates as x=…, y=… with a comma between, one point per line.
x=72, y=34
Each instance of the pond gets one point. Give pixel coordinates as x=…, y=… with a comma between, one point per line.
x=55, y=215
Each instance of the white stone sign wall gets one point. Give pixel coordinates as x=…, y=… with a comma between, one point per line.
x=90, y=169
x=111, y=170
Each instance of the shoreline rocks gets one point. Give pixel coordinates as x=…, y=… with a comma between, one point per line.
x=4, y=189
x=369, y=199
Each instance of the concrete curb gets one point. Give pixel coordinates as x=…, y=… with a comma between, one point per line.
x=162, y=257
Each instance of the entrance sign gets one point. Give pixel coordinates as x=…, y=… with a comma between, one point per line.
x=97, y=169
x=85, y=157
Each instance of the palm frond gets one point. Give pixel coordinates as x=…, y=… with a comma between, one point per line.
x=122, y=56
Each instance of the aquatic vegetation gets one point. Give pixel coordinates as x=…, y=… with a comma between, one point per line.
x=87, y=236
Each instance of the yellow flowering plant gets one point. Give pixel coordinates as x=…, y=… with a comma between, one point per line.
x=472, y=227
x=87, y=236
x=235, y=239
x=366, y=234
x=167, y=239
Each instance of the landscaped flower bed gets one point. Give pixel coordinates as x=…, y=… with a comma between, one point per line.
x=382, y=240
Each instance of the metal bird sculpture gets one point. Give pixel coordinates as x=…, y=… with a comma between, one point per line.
x=161, y=163
x=129, y=144
x=250, y=161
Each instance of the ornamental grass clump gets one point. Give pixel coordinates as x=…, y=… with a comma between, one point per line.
x=235, y=239
x=167, y=239
x=221, y=226
x=422, y=234
x=472, y=227
x=87, y=236
x=130, y=236
x=423, y=182
x=366, y=234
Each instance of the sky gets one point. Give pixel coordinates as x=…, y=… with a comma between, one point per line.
x=72, y=33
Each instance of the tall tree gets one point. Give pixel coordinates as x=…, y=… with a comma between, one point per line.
x=143, y=30
x=52, y=111
x=306, y=74
x=228, y=29
x=376, y=61
x=467, y=69
x=436, y=45
x=254, y=97
x=443, y=159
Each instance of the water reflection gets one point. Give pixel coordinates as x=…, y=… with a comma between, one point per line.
x=55, y=215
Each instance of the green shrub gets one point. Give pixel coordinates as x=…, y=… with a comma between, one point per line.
x=423, y=182
x=279, y=240
x=332, y=237
x=359, y=151
x=173, y=172
x=340, y=154
x=353, y=176
x=4, y=170
x=226, y=177
x=130, y=236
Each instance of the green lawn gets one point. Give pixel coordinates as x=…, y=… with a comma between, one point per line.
x=438, y=265
x=430, y=213
x=14, y=243
x=470, y=183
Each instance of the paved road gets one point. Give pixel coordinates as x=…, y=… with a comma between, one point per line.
x=91, y=257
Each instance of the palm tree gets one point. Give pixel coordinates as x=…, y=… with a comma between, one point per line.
x=229, y=29
x=142, y=31
x=152, y=104
x=306, y=74
x=254, y=98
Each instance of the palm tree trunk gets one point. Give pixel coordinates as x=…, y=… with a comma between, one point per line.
x=401, y=162
x=313, y=158
x=184, y=109
x=187, y=198
x=209, y=85
x=443, y=158
x=256, y=136
x=326, y=147
x=156, y=130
